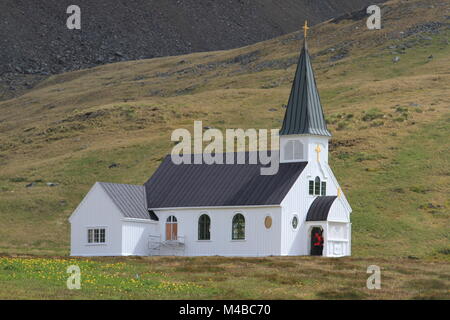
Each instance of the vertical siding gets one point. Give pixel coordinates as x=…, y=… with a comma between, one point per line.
x=135, y=237
x=298, y=201
x=259, y=241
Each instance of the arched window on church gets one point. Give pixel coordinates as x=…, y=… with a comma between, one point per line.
x=293, y=150
x=238, y=232
x=204, y=225
x=317, y=186
x=171, y=228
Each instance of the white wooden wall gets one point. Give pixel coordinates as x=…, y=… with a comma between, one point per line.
x=339, y=231
x=135, y=235
x=96, y=211
x=259, y=241
x=298, y=201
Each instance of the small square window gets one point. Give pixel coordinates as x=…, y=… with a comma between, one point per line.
x=96, y=235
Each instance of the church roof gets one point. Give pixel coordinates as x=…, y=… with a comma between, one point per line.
x=319, y=209
x=130, y=199
x=304, y=114
x=207, y=185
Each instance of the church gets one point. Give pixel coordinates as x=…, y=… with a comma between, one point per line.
x=229, y=209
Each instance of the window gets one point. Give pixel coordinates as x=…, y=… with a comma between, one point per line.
x=96, y=235
x=238, y=232
x=324, y=188
x=294, y=222
x=317, y=186
x=311, y=187
x=171, y=228
x=204, y=227
x=289, y=150
x=268, y=222
x=298, y=150
x=293, y=150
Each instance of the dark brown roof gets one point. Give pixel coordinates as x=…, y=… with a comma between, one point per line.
x=319, y=209
x=202, y=185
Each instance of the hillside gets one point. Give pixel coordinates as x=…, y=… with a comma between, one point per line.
x=390, y=123
x=37, y=43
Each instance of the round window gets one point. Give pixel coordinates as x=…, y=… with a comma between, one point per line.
x=268, y=222
x=294, y=222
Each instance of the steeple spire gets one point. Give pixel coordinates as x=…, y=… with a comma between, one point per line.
x=304, y=114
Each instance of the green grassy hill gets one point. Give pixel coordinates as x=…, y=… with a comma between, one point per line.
x=390, y=123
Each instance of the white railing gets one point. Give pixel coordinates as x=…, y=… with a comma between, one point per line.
x=156, y=244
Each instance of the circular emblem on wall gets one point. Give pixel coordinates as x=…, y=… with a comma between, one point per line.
x=268, y=222
x=294, y=222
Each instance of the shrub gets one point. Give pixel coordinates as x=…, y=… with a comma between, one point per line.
x=401, y=109
x=372, y=114
x=342, y=125
x=377, y=123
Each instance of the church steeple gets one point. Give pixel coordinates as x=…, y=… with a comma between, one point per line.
x=304, y=114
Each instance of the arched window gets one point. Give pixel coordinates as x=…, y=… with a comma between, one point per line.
x=289, y=150
x=238, y=232
x=317, y=186
x=171, y=228
x=298, y=150
x=204, y=227
x=293, y=150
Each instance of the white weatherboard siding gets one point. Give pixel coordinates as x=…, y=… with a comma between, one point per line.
x=135, y=235
x=297, y=202
x=339, y=231
x=96, y=211
x=259, y=241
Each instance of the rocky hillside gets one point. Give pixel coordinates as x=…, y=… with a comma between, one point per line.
x=35, y=39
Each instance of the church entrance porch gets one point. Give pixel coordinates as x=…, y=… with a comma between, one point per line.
x=316, y=238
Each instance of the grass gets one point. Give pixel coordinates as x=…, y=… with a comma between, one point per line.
x=390, y=125
x=221, y=278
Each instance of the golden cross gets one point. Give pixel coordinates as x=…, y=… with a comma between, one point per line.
x=306, y=28
x=317, y=149
x=339, y=192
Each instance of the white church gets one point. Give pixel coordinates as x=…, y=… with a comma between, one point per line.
x=228, y=209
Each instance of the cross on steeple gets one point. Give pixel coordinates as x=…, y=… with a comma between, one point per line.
x=306, y=28
x=318, y=149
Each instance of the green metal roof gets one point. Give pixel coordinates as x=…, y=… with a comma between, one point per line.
x=304, y=114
